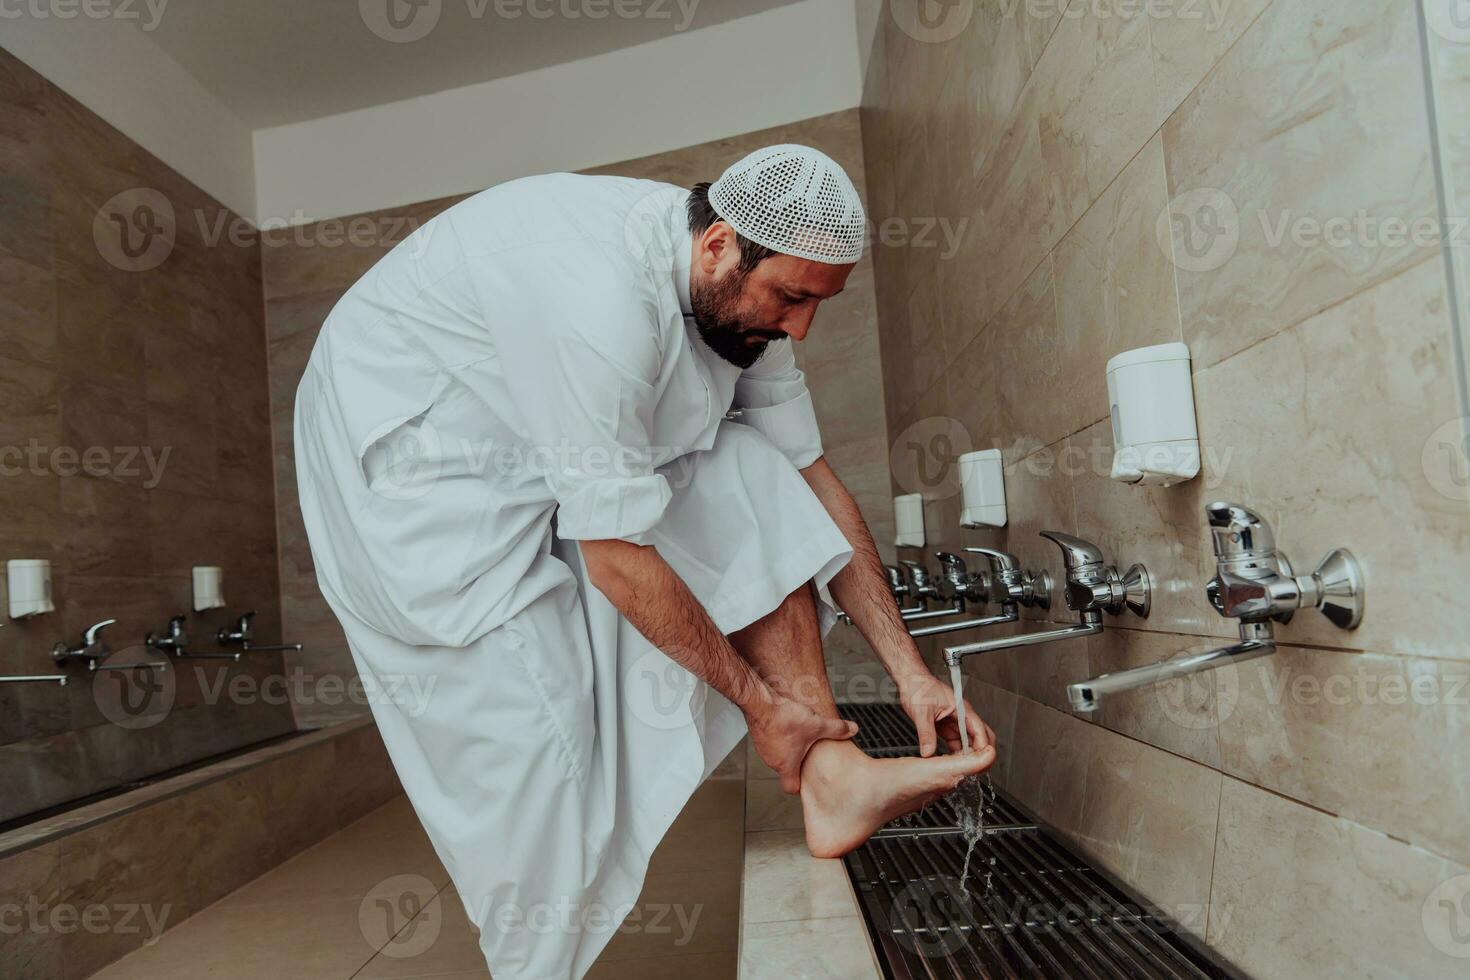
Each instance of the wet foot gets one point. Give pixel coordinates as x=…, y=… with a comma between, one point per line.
x=846, y=796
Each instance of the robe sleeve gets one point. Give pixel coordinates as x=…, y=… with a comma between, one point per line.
x=772, y=398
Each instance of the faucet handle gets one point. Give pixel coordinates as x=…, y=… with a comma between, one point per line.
x=948, y=560
x=1239, y=532
x=94, y=632
x=1005, y=561
x=1077, y=554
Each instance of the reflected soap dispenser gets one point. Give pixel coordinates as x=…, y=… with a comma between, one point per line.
x=1155, y=436
x=29, y=582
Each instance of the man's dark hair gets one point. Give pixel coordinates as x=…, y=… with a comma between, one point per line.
x=702, y=215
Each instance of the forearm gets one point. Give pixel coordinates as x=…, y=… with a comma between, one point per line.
x=861, y=588
x=652, y=597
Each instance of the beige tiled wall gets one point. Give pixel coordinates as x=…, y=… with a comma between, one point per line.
x=1299, y=811
x=307, y=271
x=101, y=362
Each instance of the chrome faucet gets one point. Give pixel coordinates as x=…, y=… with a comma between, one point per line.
x=1013, y=587
x=244, y=635
x=1253, y=583
x=94, y=650
x=174, y=642
x=1093, y=587
x=60, y=680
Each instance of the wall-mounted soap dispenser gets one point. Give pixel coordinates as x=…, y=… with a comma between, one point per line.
x=908, y=520
x=29, y=584
x=209, y=588
x=1155, y=437
x=983, y=489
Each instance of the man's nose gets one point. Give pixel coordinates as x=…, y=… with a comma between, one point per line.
x=797, y=325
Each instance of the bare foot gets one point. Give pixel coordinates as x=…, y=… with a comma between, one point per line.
x=845, y=795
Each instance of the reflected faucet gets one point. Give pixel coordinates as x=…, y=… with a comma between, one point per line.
x=59, y=680
x=174, y=642
x=1093, y=587
x=94, y=650
x=1253, y=583
x=244, y=635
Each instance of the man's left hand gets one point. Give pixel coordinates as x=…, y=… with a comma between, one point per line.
x=930, y=703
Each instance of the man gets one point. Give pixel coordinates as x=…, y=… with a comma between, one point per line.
x=522, y=489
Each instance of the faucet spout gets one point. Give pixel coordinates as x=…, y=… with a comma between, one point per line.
x=1256, y=641
x=1091, y=625
x=1010, y=615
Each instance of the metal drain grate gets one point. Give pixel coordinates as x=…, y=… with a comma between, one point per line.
x=883, y=729
x=1030, y=908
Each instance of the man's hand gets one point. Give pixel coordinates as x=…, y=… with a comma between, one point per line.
x=784, y=730
x=930, y=703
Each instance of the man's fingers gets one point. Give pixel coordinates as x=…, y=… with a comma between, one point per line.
x=925, y=725
x=980, y=733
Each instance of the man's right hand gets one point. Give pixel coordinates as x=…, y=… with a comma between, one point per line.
x=784, y=730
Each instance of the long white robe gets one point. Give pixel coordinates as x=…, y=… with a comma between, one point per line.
x=519, y=375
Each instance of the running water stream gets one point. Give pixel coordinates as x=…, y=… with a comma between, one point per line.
x=957, y=679
x=969, y=797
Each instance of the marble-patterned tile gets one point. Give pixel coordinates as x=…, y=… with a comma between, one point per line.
x=1150, y=818
x=1038, y=398
x=1263, y=241
x=784, y=882
x=1178, y=716
x=1099, y=100
x=1114, y=286
x=27, y=883
x=1330, y=447
x=767, y=807
x=1185, y=48
x=1331, y=729
x=28, y=307
x=715, y=966
x=1162, y=528
x=1049, y=767
x=1302, y=893
x=813, y=949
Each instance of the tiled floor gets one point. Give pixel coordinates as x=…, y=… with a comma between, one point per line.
x=799, y=914
x=373, y=902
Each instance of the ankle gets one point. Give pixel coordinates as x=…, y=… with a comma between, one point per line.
x=830, y=760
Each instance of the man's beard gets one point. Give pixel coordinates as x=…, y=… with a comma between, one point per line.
x=717, y=315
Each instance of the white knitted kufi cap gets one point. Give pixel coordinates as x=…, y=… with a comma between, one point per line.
x=795, y=200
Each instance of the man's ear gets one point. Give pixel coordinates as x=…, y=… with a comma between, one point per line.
x=718, y=248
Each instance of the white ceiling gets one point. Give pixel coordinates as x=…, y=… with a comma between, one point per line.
x=281, y=61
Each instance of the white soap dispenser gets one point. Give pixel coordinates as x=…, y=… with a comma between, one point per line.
x=29, y=585
x=983, y=489
x=1155, y=436
x=908, y=520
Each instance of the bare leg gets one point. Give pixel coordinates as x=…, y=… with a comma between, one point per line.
x=845, y=795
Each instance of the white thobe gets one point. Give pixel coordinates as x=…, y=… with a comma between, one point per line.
x=519, y=375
